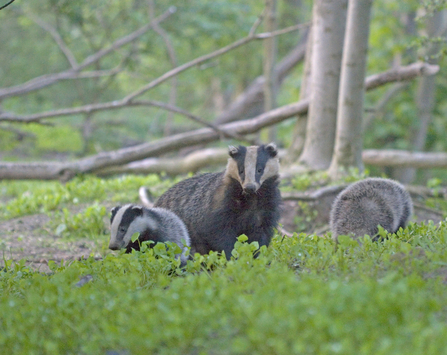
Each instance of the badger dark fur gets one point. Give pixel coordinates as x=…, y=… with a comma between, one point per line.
x=243, y=199
x=156, y=224
x=364, y=205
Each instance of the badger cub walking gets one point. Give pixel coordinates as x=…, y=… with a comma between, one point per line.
x=156, y=224
x=364, y=205
x=243, y=199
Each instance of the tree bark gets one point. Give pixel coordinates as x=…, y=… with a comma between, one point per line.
x=402, y=159
x=349, y=137
x=211, y=157
x=270, y=48
x=425, y=97
x=329, y=18
x=299, y=129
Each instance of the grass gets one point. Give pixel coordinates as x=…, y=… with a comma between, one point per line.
x=302, y=295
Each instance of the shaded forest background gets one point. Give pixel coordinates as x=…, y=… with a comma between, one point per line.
x=88, y=53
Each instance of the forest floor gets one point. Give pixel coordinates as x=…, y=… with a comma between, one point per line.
x=33, y=237
x=29, y=238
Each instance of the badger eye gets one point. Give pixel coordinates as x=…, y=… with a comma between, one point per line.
x=241, y=171
x=259, y=170
x=122, y=229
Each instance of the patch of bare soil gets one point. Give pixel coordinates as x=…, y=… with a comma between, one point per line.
x=28, y=238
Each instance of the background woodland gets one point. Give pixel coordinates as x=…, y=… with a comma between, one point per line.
x=91, y=88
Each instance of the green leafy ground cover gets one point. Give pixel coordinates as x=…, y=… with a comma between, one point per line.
x=302, y=295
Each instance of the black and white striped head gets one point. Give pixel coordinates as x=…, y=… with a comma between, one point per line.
x=125, y=222
x=251, y=166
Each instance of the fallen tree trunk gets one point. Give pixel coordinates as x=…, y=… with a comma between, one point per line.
x=172, y=166
x=218, y=156
x=404, y=159
x=65, y=171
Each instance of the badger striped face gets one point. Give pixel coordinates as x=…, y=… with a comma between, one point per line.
x=251, y=166
x=125, y=222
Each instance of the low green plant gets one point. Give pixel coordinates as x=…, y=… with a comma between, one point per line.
x=27, y=197
x=87, y=224
x=302, y=295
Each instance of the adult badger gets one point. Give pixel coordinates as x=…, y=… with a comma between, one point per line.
x=243, y=199
x=364, y=205
x=156, y=224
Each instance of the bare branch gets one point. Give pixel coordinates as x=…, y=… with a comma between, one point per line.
x=57, y=38
x=127, y=39
x=401, y=74
x=254, y=92
x=371, y=82
x=49, y=79
x=209, y=56
x=256, y=23
x=189, y=115
x=172, y=58
x=381, y=104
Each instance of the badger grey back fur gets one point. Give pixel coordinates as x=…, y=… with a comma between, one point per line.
x=364, y=205
x=156, y=224
x=243, y=199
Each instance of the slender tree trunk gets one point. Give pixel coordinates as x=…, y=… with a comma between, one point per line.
x=349, y=136
x=299, y=130
x=329, y=19
x=425, y=96
x=270, y=83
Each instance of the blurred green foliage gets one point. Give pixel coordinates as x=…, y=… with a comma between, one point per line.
x=26, y=197
x=196, y=28
x=300, y=296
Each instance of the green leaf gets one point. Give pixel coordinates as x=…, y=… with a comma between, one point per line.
x=134, y=237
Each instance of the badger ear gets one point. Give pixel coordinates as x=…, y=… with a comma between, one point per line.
x=137, y=209
x=232, y=151
x=113, y=212
x=271, y=149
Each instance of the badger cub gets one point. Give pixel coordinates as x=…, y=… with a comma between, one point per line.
x=364, y=205
x=219, y=207
x=156, y=224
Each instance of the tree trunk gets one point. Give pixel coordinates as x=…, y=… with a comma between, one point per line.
x=270, y=84
x=329, y=18
x=349, y=137
x=425, y=97
x=299, y=130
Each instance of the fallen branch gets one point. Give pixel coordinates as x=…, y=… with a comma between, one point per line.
x=65, y=171
x=314, y=195
x=172, y=166
x=404, y=159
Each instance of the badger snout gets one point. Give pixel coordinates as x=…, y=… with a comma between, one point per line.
x=114, y=246
x=250, y=188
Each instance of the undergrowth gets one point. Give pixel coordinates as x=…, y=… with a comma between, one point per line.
x=301, y=295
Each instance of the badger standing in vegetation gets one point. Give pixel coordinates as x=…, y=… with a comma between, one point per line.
x=219, y=207
x=364, y=205
x=156, y=224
